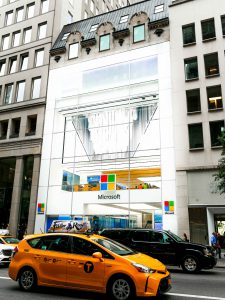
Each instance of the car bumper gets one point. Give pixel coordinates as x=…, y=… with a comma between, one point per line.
x=208, y=262
x=5, y=260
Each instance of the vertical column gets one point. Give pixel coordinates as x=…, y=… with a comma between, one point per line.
x=15, y=204
x=33, y=195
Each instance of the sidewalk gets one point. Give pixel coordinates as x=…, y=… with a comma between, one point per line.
x=221, y=262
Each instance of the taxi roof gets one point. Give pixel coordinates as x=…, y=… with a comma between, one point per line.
x=83, y=235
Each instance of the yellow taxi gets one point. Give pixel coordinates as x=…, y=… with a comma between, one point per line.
x=87, y=262
x=8, y=240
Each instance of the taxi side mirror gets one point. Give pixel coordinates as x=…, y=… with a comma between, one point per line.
x=98, y=255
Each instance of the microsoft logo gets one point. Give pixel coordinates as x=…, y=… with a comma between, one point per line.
x=108, y=182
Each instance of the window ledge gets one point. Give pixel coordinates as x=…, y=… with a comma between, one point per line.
x=2, y=137
x=214, y=75
x=197, y=149
x=192, y=79
x=14, y=136
x=29, y=133
x=194, y=112
x=216, y=147
x=209, y=40
x=215, y=109
x=189, y=44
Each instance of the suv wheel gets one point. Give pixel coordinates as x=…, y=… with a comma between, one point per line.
x=27, y=279
x=190, y=264
x=121, y=288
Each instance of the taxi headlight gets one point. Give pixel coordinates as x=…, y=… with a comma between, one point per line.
x=142, y=268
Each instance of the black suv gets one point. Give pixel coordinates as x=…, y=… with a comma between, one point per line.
x=166, y=247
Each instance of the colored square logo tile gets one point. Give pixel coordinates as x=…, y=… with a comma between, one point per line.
x=171, y=208
x=171, y=203
x=111, y=186
x=104, y=186
x=166, y=208
x=104, y=178
x=111, y=178
x=166, y=203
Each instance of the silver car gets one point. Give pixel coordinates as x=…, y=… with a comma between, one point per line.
x=5, y=253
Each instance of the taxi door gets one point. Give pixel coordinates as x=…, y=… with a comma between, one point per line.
x=84, y=271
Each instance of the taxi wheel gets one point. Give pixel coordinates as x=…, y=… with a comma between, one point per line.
x=121, y=288
x=190, y=264
x=27, y=279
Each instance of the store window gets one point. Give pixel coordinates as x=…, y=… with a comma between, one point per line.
x=216, y=128
x=188, y=34
x=31, y=125
x=2, y=67
x=208, y=29
x=139, y=33
x=27, y=35
x=195, y=136
x=191, y=68
x=5, y=42
x=8, y=93
x=193, y=100
x=3, y=129
x=19, y=14
x=16, y=39
x=15, y=128
x=73, y=50
x=24, y=61
x=104, y=42
x=214, y=96
x=9, y=18
x=223, y=24
x=30, y=10
x=42, y=30
x=20, y=89
x=39, y=57
x=12, y=65
x=211, y=64
x=36, y=87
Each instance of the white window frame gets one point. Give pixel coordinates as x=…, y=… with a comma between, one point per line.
x=74, y=54
x=159, y=8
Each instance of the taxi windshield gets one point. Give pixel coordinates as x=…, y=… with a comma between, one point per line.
x=115, y=247
x=10, y=240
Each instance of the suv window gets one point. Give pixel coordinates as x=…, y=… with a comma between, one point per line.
x=116, y=234
x=51, y=243
x=156, y=237
x=141, y=236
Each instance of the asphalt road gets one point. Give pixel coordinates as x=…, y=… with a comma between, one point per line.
x=205, y=285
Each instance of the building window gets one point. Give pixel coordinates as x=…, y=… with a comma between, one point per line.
x=188, y=34
x=19, y=14
x=23, y=62
x=8, y=93
x=73, y=50
x=195, y=136
x=3, y=129
x=65, y=36
x=12, y=65
x=16, y=39
x=159, y=8
x=124, y=19
x=93, y=27
x=92, y=6
x=139, y=33
x=216, y=129
x=2, y=67
x=39, y=57
x=30, y=10
x=15, y=128
x=191, y=68
x=5, y=42
x=8, y=18
x=42, y=30
x=104, y=42
x=20, y=89
x=44, y=6
x=36, y=87
x=208, y=29
x=27, y=35
x=214, y=96
x=211, y=64
x=223, y=24
x=69, y=18
x=85, y=14
x=31, y=125
x=193, y=101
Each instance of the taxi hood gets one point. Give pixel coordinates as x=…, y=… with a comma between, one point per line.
x=147, y=261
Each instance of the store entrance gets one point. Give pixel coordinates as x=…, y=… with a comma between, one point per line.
x=220, y=227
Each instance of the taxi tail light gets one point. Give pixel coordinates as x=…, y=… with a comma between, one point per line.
x=15, y=250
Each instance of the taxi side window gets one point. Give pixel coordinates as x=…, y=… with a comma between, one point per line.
x=1, y=242
x=51, y=243
x=84, y=247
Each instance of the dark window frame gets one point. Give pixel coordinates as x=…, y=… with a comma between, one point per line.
x=101, y=36
x=223, y=24
x=212, y=130
x=189, y=59
x=188, y=100
x=194, y=40
x=201, y=142
x=136, y=26
x=208, y=96
x=205, y=62
x=210, y=35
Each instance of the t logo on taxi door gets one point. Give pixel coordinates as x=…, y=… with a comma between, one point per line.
x=88, y=267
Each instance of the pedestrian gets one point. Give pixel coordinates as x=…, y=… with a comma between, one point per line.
x=214, y=240
x=185, y=237
x=219, y=244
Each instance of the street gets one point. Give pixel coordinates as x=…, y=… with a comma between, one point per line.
x=205, y=285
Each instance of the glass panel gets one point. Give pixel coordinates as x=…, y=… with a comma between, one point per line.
x=36, y=88
x=195, y=136
x=30, y=10
x=16, y=39
x=124, y=19
x=159, y=8
x=198, y=225
x=104, y=42
x=69, y=18
x=20, y=91
x=214, y=95
x=27, y=35
x=223, y=24
x=39, y=58
x=193, y=100
x=208, y=29
x=8, y=94
x=216, y=129
x=44, y=7
x=139, y=33
x=19, y=14
x=9, y=18
x=2, y=67
x=73, y=50
x=42, y=30
x=188, y=34
x=211, y=64
x=191, y=68
x=24, y=62
x=12, y=66
x=5, y=42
